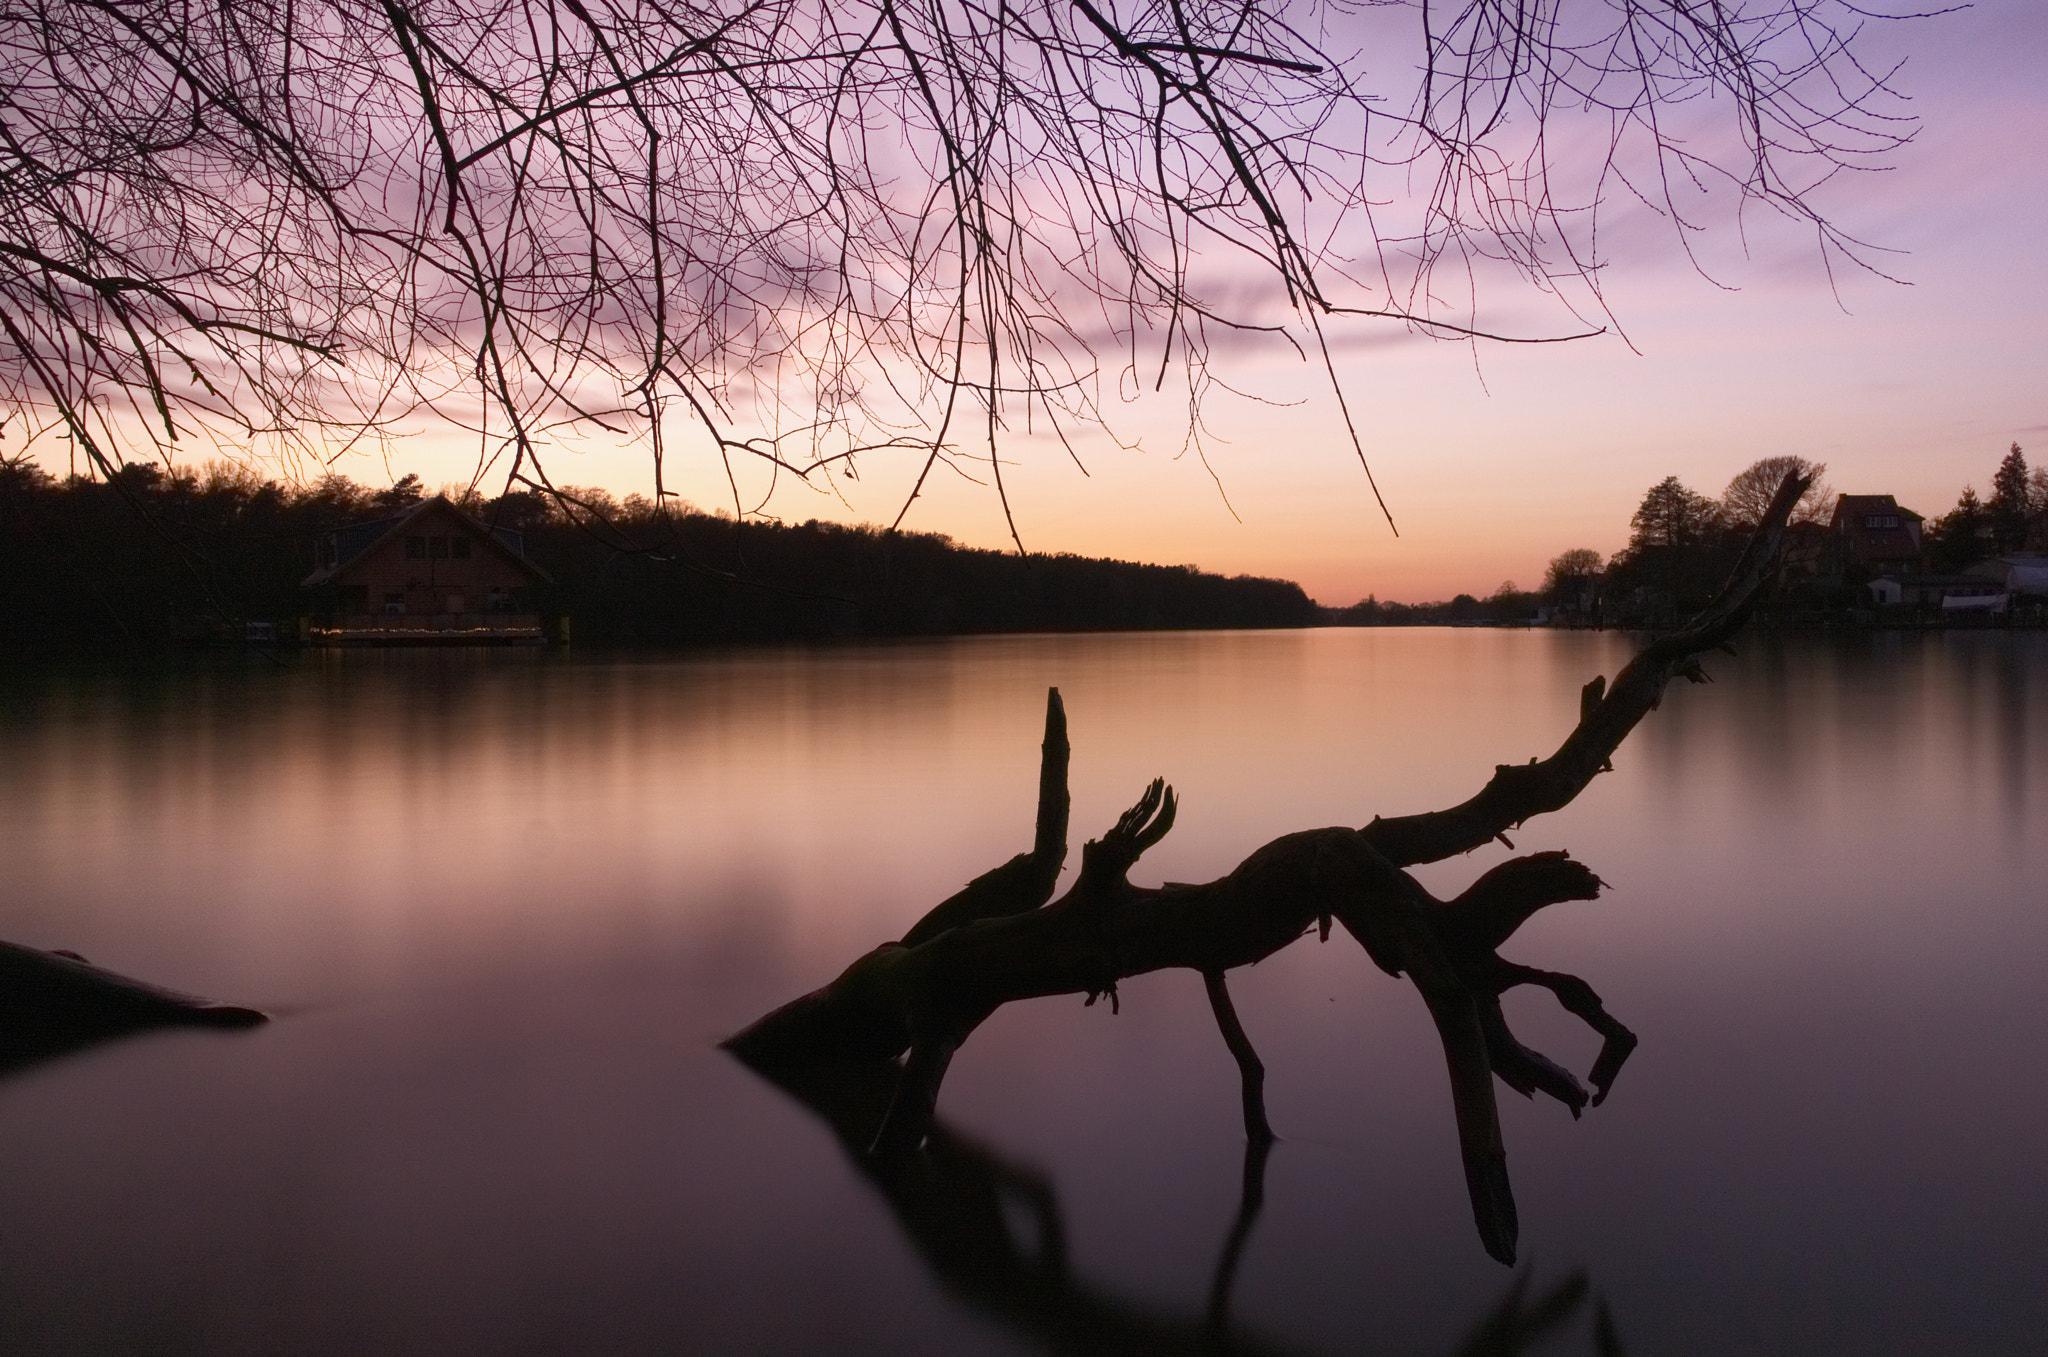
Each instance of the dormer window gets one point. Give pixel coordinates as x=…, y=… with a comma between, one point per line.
x=1876, y=521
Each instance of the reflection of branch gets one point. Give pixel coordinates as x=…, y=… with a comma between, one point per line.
x=961, y=1205
x=992, y=1232
x=1251, y=1199
x=999, y=940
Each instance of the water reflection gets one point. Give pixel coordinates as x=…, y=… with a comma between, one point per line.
x=992, y=1231
x=514, y=900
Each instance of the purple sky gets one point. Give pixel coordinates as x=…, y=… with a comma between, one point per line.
x=1495, y=459
x=1493, y=466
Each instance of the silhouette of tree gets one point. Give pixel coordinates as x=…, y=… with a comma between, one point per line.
x=1678, y=547
x=75, y=573
x=804, y=231
x=1748, y=496
x=403, y=493
x=1673, y=516
x=2006, y=512
x=1569, y=570
x=1961, y=535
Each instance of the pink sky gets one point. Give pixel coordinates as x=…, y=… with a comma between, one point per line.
x=1494, y=461
x=1908, y=390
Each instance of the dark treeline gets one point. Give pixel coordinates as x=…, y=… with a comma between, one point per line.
x=153, y=557
x=1682, y=544
x=1505, y=605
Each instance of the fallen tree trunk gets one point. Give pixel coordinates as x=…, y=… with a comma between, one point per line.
x=998, y=940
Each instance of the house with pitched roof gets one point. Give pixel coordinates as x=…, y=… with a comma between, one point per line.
x=429, y=575
x=1872, y=535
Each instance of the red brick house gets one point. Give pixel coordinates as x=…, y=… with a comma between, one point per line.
x=431, y=574
x=1873, y=535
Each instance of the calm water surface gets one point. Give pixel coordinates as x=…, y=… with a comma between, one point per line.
x=505, y=903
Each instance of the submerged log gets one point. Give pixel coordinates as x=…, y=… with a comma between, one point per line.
x=53, y=1003
x=1003, y=937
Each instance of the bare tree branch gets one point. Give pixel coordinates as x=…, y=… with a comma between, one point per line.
x=998, y=941
x=793, y=234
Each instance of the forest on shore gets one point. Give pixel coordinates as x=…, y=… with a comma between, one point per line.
x=151, y=557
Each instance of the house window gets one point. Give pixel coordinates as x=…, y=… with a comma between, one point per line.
x=1875, y=521
x=415, y=548
x=394, y=605
x=458, y=547
x=437, y=547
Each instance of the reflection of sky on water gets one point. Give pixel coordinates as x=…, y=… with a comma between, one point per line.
x=516, y=897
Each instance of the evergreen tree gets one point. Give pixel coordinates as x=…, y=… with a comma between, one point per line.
x=2007, y=511
x=1959, y=536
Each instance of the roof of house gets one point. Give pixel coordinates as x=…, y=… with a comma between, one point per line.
x=352, y=542
x=1859, y=505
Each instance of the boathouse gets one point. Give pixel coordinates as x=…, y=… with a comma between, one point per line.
x=430, y=575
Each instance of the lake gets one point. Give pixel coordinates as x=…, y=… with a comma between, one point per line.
x=504, y=904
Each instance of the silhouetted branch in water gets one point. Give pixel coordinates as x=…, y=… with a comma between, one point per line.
x=999, y=941
x=53, y=1003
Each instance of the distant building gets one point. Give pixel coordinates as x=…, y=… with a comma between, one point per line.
x=2022, y=573
x=1972, y=591
x=431, y=574
x=1872, y=535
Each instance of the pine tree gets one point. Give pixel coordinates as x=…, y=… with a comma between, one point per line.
x=2007, y=510
x=1958, y=538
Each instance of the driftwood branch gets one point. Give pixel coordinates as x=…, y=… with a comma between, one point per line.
x=1003, y=938
x=54, y=1003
